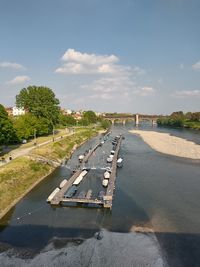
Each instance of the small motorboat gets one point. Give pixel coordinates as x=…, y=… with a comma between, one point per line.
x=106, y=175
x=105, y=182
x=109, y=160
x=80, y=158
x=119, y=162
x=112, y=152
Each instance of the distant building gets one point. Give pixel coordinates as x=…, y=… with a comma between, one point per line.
x=66, y=111
x=18, y=111
x=9, y=110
x=77, y=116
x=14, y=111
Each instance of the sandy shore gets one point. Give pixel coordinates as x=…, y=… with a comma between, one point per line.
x=171, y=145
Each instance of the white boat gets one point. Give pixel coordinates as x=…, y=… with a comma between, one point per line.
x=52, y=195
x=119, y=162
x=105, y=183
x=83, y=173
x=109, y=159
x=81, y=157
x=112, y=152
x=63, y=183
x=80, y=178
x=108, y=169
x=106, y=175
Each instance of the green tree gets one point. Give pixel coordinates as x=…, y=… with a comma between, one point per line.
x=27, y=124
x=105, y=124
x=7, y=131
x=90, y=116
x=66, y=120
x=41, y=102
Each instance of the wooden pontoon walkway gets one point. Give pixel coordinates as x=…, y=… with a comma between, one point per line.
x=107, y=199
x=111, y=185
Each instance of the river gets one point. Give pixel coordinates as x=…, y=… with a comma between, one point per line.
x=154, y=193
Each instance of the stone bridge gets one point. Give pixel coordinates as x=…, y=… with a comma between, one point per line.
x=136, y=118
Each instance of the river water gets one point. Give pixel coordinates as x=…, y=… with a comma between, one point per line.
x=154, y=193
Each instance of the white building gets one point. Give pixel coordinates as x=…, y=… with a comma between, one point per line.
x=68, y=111
x=18, y=111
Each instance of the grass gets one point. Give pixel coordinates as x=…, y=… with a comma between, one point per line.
x=17, y=176
x=22, y=173
x=62, y=148
x=192, y=124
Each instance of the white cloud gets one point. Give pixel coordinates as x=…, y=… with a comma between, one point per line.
x=181, y=66
x=196, y=66
x=114, y=80
x=76, y=62
x=186, y=93
x=11, y=65
x=19, y=80
x=144, y=91
x=90, y=59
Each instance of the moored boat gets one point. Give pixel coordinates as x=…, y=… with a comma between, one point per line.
x=106, y=175
x=80, y=158
x=89, y=194
x=119, y=162
x=63, y=183
x=109, y=159
x=105, y=183
x=70, y=192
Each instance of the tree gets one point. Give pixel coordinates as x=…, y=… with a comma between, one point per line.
x=195, y=116
x=66, y=120
x=41, y=102
x=90, y=116
x=105, y=124
x=27, y=124
x=7, y=131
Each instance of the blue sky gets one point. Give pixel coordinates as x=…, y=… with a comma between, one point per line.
x=107, y=55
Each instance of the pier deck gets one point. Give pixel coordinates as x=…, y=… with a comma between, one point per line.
x=107, y=199
x=111, y=185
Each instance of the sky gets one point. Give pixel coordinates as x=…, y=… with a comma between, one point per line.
x=106, y=55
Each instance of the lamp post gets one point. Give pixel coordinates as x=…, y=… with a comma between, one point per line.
x=35, y=139
x=53, y=134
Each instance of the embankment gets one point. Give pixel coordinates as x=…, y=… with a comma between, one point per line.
x=19, y=176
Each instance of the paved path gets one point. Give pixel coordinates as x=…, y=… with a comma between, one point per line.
x=19, y=152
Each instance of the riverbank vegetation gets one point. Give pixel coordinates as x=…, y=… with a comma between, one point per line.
x=179, y=119
x=43, y=118
x=23, y=173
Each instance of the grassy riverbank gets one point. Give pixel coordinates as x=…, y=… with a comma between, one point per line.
x=20, y=175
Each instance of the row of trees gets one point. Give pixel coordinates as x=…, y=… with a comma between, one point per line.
x=180, y=119
x=43, y=115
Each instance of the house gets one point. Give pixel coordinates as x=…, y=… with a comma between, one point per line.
x=15, y=111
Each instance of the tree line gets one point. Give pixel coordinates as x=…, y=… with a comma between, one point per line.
x=180, y=119
x=43, y=115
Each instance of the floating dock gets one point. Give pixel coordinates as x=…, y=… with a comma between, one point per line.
x=106, y=202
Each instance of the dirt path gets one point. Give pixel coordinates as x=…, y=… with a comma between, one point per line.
x=18, y=152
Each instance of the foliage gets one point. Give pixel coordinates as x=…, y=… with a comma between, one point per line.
x=26, y=125
x=90, y=116
x=179, y=119
x=105, y=124
x=7, y=131
x=41, y=102
x=83, y=122
x=66, y=120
